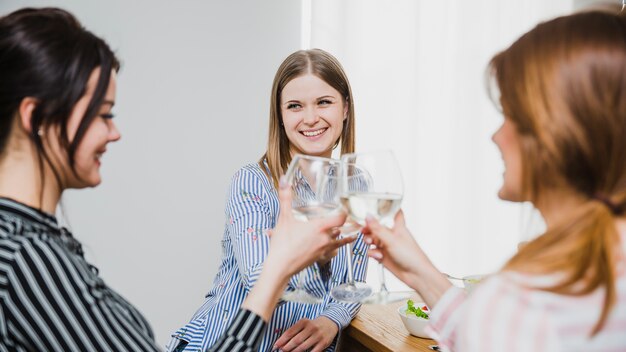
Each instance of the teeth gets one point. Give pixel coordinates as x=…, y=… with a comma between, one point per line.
x=313, y=133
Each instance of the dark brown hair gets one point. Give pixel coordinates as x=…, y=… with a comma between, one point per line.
x=46, y=54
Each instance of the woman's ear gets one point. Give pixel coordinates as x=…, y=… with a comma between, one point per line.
x=345, y=109
x=25, y=111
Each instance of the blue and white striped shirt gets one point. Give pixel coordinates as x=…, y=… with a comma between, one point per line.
x=252, y=209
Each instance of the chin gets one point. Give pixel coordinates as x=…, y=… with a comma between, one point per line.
x=92, y=182
x=317, y=151
x=95, y=182
x=509, y=195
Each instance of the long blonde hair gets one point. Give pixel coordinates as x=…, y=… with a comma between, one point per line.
x=325, y=66
x=563, y=84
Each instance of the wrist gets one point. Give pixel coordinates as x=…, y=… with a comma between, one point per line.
x=430, y=283
x=268, y=288
x=277, y=269
x=332, y=325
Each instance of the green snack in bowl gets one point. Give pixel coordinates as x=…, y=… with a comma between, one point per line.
x=412, y=309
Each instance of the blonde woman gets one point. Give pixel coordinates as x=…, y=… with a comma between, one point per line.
x=311, y=112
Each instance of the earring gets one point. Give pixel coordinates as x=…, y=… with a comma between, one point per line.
x=40, y=132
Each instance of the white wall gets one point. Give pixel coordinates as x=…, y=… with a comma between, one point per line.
x=192, y=106
x=418, y=73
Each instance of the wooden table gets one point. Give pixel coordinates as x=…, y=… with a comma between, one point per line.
x=378, y=328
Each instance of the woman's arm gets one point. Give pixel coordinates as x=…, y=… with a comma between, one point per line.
x=250, y=217
x=498, y=316
x=288, y=255
x=319, y=333
x=397, y=250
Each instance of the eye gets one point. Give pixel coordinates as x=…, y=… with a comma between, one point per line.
x=107, y=116
x=293, y=106
x=324, y=102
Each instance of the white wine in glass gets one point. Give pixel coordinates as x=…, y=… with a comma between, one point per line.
x=311, y=211
x=351, y=291
x=382, y=206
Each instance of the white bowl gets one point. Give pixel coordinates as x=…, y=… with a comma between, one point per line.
x=412, y=323
x=470, y=282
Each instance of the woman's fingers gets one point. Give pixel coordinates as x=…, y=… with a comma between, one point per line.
x=331, y=222
x=289, y=334
x=376, y=254
x=399, y=219
x=340, y=242
x=379, y=236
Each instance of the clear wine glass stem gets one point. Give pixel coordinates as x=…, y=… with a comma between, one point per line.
x=349, y=264
x=300, y=280
x=381, y=275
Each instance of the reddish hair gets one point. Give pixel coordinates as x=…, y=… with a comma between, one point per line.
x=563, y=84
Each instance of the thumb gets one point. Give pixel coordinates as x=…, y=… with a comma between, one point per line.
x=333, y=221
x=284, y=197
x=399, y=219
x=376, y=229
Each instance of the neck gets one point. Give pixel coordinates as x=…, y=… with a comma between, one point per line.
x=20, y=179
x=556, y=204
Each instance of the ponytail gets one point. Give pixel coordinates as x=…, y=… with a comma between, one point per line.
x=583, y=249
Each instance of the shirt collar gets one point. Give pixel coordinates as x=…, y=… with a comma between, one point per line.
x=27, y=212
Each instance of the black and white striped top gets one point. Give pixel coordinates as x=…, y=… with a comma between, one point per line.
x=243, y=335
x=51, y=299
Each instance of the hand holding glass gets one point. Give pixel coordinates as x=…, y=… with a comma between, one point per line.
x=315, y=194
x=381, y=199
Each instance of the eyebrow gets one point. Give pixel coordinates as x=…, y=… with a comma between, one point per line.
x=109, y=102
x=318, y=98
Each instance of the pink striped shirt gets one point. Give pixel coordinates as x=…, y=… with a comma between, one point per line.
x=504, y=314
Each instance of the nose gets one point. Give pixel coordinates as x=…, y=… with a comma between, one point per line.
x=496, y=134
x=114, y=133
x=311, y=117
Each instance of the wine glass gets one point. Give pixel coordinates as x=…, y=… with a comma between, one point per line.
x=381, y=199
x=352, y=291
x=314, y=188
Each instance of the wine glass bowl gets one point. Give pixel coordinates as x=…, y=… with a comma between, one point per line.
x=315, y=194
x=378, y=195
x=381, y=195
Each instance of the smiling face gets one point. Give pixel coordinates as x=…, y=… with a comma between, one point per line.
x=507, y=140
x=312, y=113
x=98, y=135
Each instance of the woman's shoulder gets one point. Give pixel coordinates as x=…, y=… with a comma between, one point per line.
x=530, y=291
x=253, y=169
x=504, y=311
x=10, y=241
x=251, y=178
x=15, y=233
x=251, y=173
x=20, y=239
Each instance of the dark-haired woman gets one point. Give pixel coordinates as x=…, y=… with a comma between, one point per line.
x=56, y=95
x=57, y=91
